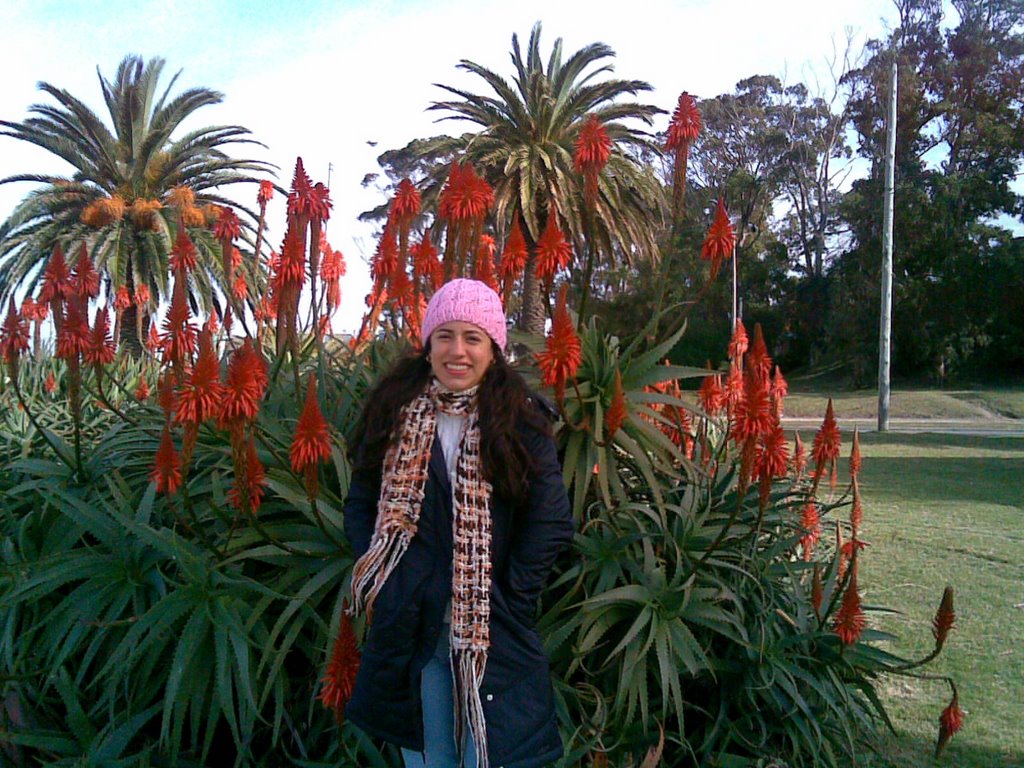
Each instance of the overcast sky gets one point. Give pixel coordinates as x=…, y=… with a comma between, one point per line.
x=320, y=79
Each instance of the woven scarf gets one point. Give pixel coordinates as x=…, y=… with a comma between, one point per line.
x=403, y=481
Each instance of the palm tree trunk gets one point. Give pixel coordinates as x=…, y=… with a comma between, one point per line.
x=533, y=314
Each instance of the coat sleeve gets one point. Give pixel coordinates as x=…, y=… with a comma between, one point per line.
x=544, y=528
x=360, y=510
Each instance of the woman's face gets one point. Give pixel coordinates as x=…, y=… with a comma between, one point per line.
x=460, y=354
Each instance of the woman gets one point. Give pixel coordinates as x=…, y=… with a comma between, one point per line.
x=456, y=513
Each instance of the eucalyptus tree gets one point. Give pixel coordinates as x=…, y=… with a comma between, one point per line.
x=133, y=182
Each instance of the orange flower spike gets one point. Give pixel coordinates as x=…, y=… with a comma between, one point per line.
x=183, y=253
x=945, y=619
x=265, y=193
x=752, y=415
x=513, y=258
x=244, y=388
x=758, y=357
x=739, y=343
x=247, y=491
x=817, y=590
x=466, y=196
x=855, y=460
x=406, y=204
x=425, y=264
x=73, y=336
x=615, y=416
x=720, y=239
x=311, y=443
x=56, y=278
x=827, y=442
x=142, y=391
x=850, y=620
x=711, y=395
x=686, y=124
x=142, y=295
x=773, y=453
x=50, y=385
x=563, y=354
x=799, y=457
x=179, y=336
x=811, y=523
x=85, y=278
x=153, y=342
x=301, y=197
x=167, y=466
x=553, y=252
x=779, y=390
x=950, y=721
x=228, y=227
x=101, y=348
x=200, y=397
x=593, y=148
x=856, y=509
x=13, y=335
x=485, y=263
x=340, y=678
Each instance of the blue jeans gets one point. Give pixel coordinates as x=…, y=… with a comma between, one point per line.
x=439, y=716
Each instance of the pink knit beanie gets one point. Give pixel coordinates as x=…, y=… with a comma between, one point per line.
x=468, y=301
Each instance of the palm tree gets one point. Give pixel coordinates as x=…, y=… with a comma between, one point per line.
x=525, y=150
x=133, y=185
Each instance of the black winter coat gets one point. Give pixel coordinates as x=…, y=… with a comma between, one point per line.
x=408, y=614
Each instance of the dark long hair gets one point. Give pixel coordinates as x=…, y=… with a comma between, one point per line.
x=506, y=408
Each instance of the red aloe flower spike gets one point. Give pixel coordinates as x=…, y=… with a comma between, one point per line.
x=739, y=343
x=265, y=194
x=720, y=239
x=811, y=523
x=183, y=254
x=250, y=477
x=593, y=148
x=682, y=132
x=73, y=334
x=817, y=590
x=406, y=204
x=466, y=196
x=245, y=385
x=101, y=348
x=615, y=416
x=240, y=290
x=772, y=453
x=167, y=466
x=827, y=443
x=799, y=457
x=199, y=398
x=945, y=619
x=850, y=620
x=311, y=443
x=227, y=228
x=485, y=263
x=179, y=338
x=13, y=335
x=711, y=395
x=85, y=278
x=426, y=267
x=50, y=385
x=142, y=295
x=553, y=252
x=759, y=358
x=142, y=391
x=779, y=390
x=56, y=278
x=855, y=460
x=950, y=721
x=340, y=678
x=513, y=259
x=734, y=387
x=153, y=342
x=563, y=353
x=856, y=509
x=752, y=415
x=300, y=198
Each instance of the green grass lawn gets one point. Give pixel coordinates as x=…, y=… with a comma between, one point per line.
x=944, y=510
x=911, y=404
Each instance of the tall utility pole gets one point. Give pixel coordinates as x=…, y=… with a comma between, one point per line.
x=885, y=332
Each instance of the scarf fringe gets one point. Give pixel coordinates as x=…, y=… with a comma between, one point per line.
x=374, y=567
x=468, y=666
